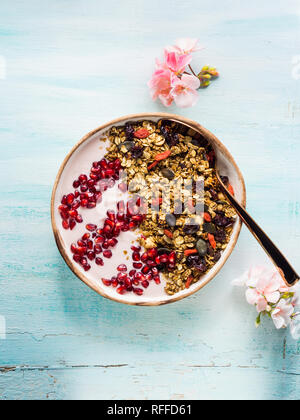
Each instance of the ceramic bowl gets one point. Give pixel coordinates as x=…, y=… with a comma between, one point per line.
x=79, y=161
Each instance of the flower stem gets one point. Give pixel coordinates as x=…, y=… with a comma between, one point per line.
x=190, y=67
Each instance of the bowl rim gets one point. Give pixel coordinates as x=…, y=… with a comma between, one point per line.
x=117, y=121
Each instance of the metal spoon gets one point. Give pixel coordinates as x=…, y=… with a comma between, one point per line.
x=285, y=269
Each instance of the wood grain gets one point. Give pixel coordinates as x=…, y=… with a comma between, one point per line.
x=73, y=66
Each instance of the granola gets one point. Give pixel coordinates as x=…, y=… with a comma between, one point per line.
x=192, y=225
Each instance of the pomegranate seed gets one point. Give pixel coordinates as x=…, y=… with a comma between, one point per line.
x=76, y=184
x=83, y=188
x=154, y=271
x=73, y=213
x=132, y=273
x=63, y=208
x=97, y=249
x=138, y=291
x=91, y=227
x=91, y=255
x=149, y=276
x=112, y=242
x=121, y=276
x=172, y=257
x=107, y=229
x=152, y=253
x=107, y=253
x=84, y=202
x=125, y=227
x=109, y=173
x=87, y=267
x=135, y=282
x=157, y=260
x=82, y=250
x=106, y=282
x=105, y=245
x=99, y=261
x=122, y=187
x=94, y=177
x=145, y=269
x=144, y=257
x=64, y=200
x=75, y=205
x=156, y=279
x=82, y=178
x=64, y=215
x=138, y=218
x=91, y=205
x=164, y=258
x=99, y=240
x=76, y=258
x=145, y=284
x=86, y=236
x=121, y=290
x=151, y=263
x=137, y=265
x=79, y=218
x=120, y=217
x=80, y=242
x=76, y=194
x=83, y=261
x=136, y=248
x=136, y=256
x=122, y=268
x=65, y=224
x=103, y=163
x=111, y=215
x=139, y=276
x=117, y=164
x=114, y=282
x=74, y=248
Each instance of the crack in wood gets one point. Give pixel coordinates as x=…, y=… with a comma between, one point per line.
x=5, y=369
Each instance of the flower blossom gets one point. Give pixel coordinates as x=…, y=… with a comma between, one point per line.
x=281, y=315
x=176, y=63
x=161, y=85
x=184, y=46
x=184, y=90
x=267, y=290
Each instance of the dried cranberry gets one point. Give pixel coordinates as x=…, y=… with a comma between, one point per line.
x=129, y=131
x=137, y=152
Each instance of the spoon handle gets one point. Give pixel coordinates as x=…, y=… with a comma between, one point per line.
x=286, y=270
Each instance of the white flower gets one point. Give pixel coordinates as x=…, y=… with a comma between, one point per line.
x=281, y=315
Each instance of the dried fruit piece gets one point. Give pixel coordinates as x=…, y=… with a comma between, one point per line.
x=142, y=133
x=212, y=241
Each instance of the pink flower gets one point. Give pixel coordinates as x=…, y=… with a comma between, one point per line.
x=161, y=85
x=281, y=315
x=185, y=46
x=263, y=288
x=185, y=90
x=176, y=63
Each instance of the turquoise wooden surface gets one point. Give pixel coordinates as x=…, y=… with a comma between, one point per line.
x=71, y=66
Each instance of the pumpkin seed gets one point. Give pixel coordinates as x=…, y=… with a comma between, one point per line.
x=209, y=227
x=201, y=247
x=167, y=173
x=171, y=219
